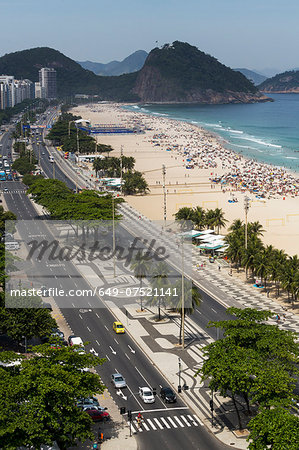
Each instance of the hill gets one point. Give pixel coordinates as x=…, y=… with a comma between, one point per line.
x=179, y=72
x=254, y=77
x=286, y=82
x=130, y=64
x=176, y=73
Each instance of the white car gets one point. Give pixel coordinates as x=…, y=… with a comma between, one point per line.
x=146, y=394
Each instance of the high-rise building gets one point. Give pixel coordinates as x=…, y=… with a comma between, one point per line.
x=14, y=91
x=47, y=79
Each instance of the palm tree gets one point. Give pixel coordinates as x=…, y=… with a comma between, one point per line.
x=192, y=298
x=160, y=285
x=219, y=220
x=141, y=267
x=185, y=215
x=210, y=218
x=236, y=226
x=255, y=228
x=198, y=217
x=261, y=265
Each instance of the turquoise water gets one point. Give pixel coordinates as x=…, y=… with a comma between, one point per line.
x=267, y=132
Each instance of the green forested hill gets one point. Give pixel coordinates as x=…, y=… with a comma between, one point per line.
x=175, y=73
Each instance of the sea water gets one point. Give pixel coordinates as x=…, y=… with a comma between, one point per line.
x=267, y=132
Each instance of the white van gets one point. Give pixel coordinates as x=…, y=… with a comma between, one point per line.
x=51, y=159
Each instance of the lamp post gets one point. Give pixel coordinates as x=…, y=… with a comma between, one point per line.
x=180, y=367
x=121, y=167
x=246, y=208
x=113, y=236
x=164, y=195
x=183, y=298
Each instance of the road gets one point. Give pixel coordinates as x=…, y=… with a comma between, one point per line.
x=179, y=428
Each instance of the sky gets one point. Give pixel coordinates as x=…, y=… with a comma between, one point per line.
x=256, y=34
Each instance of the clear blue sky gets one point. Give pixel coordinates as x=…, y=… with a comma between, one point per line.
x=254, y=34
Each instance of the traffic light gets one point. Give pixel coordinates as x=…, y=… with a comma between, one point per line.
x=122, y=410
x=179, y=389
x=185, y=387
x=155, y=391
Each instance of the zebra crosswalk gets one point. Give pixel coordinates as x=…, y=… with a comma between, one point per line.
x=165, y=423
x=15, y=191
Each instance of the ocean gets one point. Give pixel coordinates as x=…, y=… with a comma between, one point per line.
x=267, y=132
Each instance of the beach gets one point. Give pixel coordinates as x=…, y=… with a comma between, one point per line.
x=200, y=171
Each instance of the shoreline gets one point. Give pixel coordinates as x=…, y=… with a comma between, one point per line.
x=171, y=142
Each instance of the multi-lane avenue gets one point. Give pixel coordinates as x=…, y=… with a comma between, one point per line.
x=168, y=425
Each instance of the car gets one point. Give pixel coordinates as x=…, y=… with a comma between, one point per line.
x=90, y=401
x=57, y=333
x=98, y=416
x=75, y=340
x=118, y=381
x=5, y=189
x=146, y=394
x=168, y=395
x=45, y=291
x=118, y=327
x=89, y=407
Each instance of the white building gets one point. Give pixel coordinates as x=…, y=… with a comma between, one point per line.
x=47, y=79
x=14, y=91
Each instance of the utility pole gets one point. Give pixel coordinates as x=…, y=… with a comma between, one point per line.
x=183, y=297
x=54, y=170
x=180, y=386
x=121, y=168
x=113, y=236
x=164, y=195
x=78, y=148
x=246, y=208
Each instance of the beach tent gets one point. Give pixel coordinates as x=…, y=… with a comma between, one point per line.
x=190, y=234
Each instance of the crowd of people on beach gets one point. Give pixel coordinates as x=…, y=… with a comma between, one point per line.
x=199, y=148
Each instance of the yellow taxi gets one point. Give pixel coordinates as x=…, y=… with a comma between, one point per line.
x=118, y=327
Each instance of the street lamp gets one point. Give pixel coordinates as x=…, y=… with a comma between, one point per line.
x=246, y=208
x=180, y=386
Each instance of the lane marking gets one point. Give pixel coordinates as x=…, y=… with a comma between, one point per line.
x=127, y=356
x=186, y=421
x=115, y=340
x=214, y=310
x=198, y=420
x=89, y=329
x=178, y=421
x=161, y=410
x=97, y=343
x=172, y=422
x=97, y=315
x=145, y=426
x=106, y=327
x=151, y=424
x=108, y=357
x=80, y=316
x=158, y=423
x=192, y=420
x=142, y=409
x=165, y=423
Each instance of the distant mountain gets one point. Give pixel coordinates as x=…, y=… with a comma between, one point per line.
x=178, y=73
x=130, y=64
x=71, y=77
x=254, y=77
x=286, y=82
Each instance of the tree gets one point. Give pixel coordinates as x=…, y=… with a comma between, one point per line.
x=24, y=316
x=185, y=215
x=219, y=220
x=192, y=298
x=141, y=267
x=198, y=217
x=160, y=284
x=134, y=183
x=38, y=399
x=276, y=428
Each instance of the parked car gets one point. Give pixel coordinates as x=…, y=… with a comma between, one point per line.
x=98, y=416
x=118, y=327
x=90, y=401
x=146, y=394
x=168, y=395
x=57, y=333
x=75, y=340
x=118, y=381
x=45, y=291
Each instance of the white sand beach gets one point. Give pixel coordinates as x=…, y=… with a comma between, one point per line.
x=273, y=191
